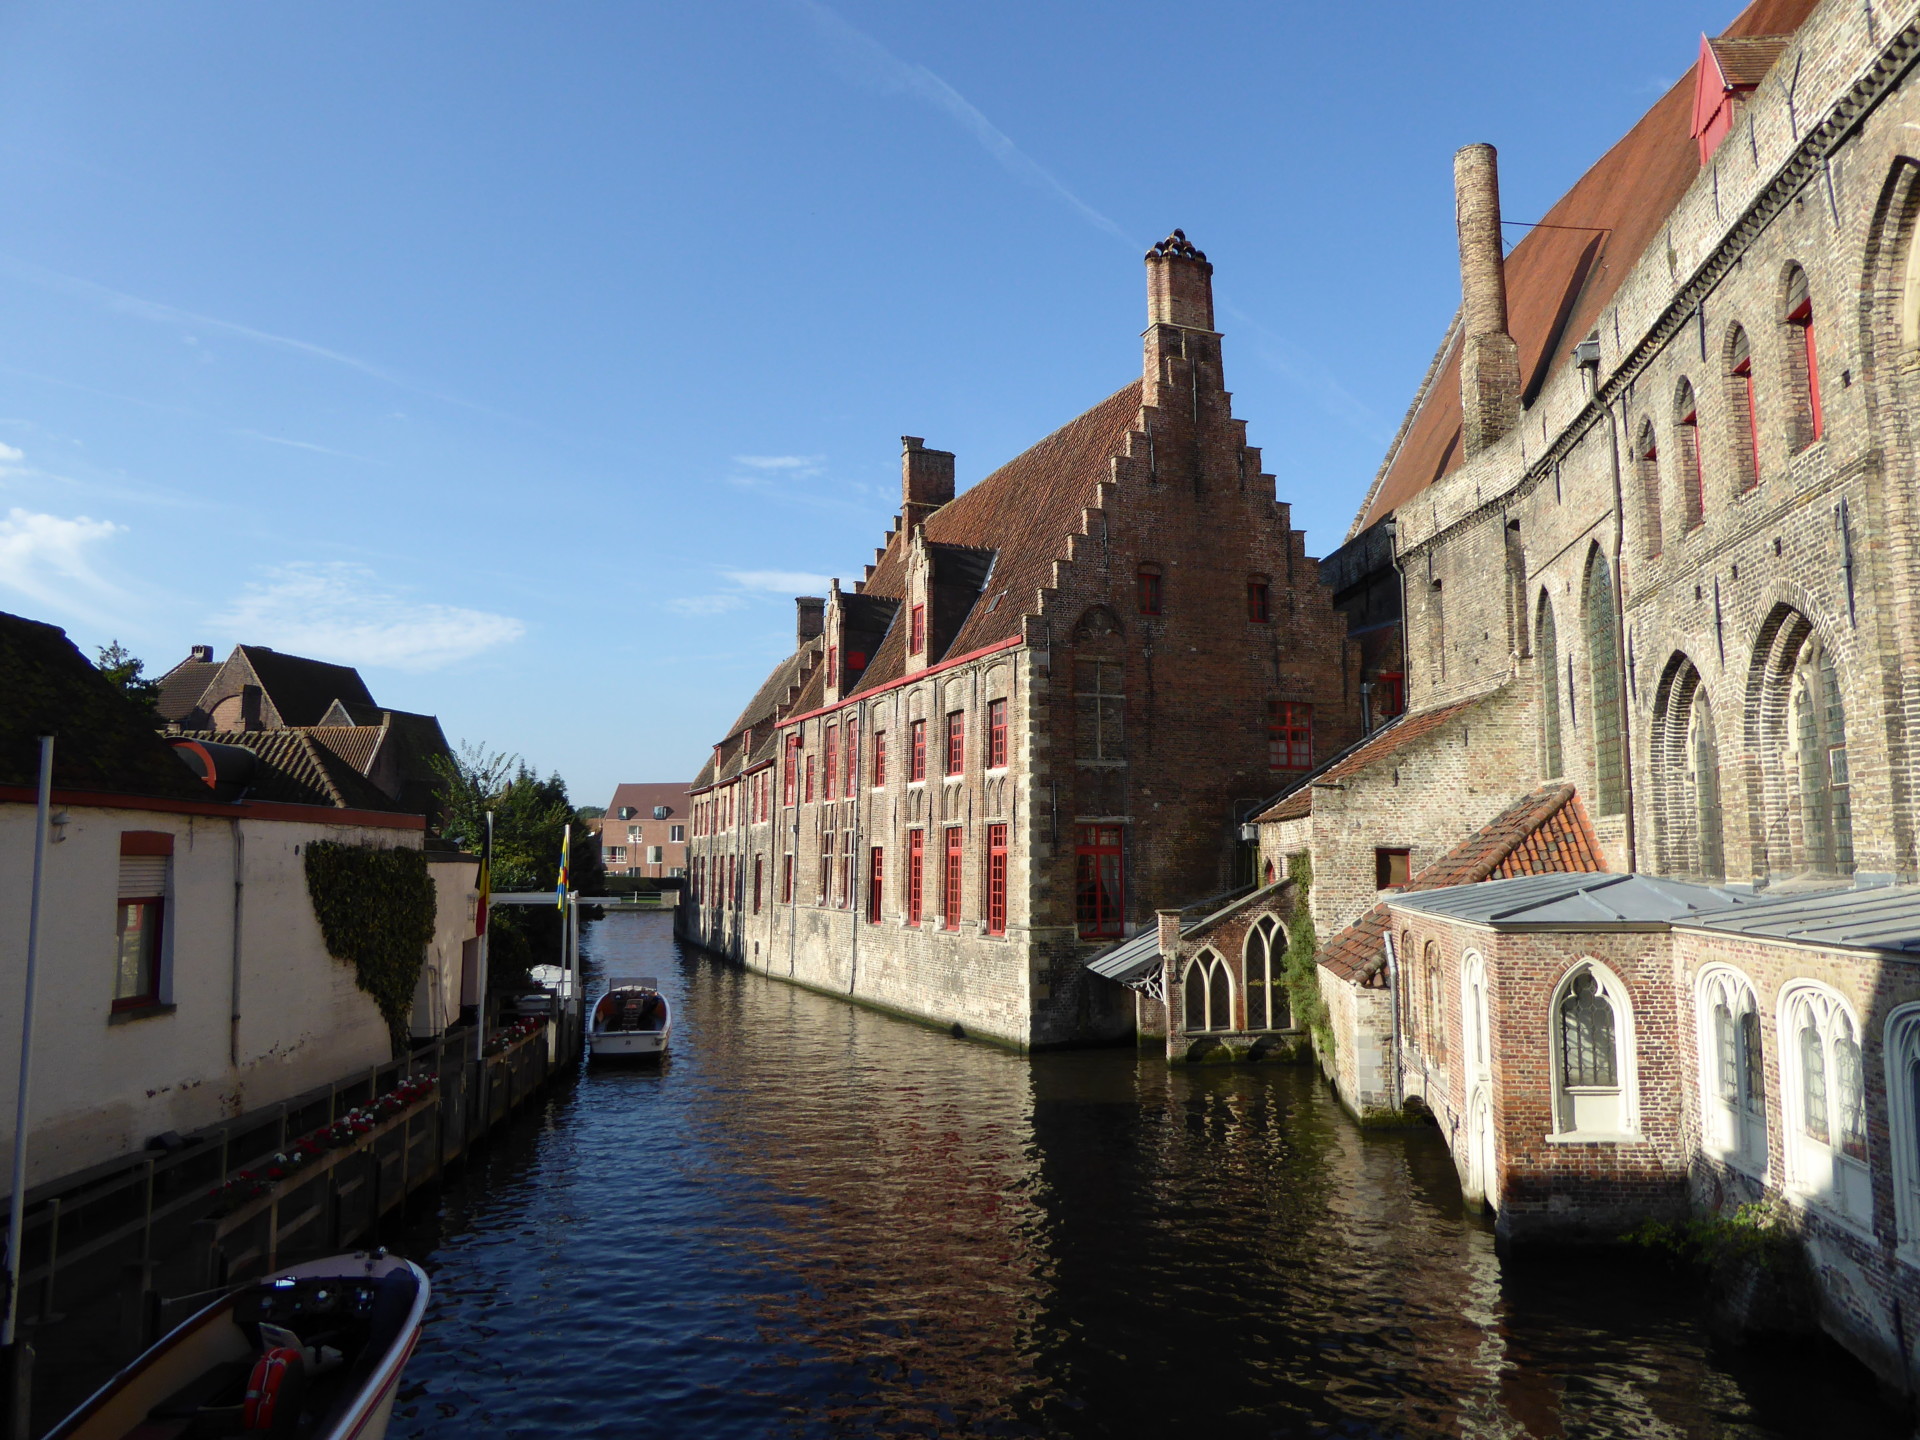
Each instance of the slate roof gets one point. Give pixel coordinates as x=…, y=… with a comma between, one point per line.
x=1397, y=735
x=1546, y=832
x=1560, y=280
x=103, y=741
x=1586, y=902
x=302, y=689
x=1883, y=918
x=181, y=688
x=296, y=769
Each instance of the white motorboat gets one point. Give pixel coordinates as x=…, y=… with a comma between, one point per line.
x=313, y=1351
x=632, y=1021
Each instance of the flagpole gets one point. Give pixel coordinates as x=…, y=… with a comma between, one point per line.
x=17, y=1202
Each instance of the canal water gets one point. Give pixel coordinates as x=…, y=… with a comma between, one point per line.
x=815, y=1220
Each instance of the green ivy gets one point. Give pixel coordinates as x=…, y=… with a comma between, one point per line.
x=376, y=910
x=1302, y=975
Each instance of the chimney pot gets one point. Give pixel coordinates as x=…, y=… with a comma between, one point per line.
x=1179, y=285
x=203, y=652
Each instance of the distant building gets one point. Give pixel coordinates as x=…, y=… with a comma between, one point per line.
x=644, y=831
x=259, y=689
x=184, y=978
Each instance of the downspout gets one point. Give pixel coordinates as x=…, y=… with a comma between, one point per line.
x=861, y=872
x=1393, y=1005
x=239, y=910
x=1620, y=637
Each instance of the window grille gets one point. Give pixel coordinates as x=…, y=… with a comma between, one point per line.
x=996, y=879
x=1289, y=735
x=956, y=742
x=876, y=873
x=917, y=627
x=1099, y=880
x=917, y=750
x=1099, y=710
x=996, y=734
x=916, y=864
x=1587, y=1055
x=951, y=899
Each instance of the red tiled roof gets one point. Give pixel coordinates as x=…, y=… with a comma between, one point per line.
x=1560, y=280
x=1544, y=833
x=1394, y=738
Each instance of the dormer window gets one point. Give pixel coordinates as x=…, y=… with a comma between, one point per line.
x=917, y=630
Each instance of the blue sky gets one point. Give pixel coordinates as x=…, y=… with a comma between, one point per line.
x=532, y=356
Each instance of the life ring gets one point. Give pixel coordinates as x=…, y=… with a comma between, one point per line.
x=273, y=1374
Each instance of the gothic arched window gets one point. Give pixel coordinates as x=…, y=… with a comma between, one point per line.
x=1826, y=1119
x=1593, y=1069
x=1208, y=991
x=1820, y=748
x=1903, y=1106
x=1546, y=648
x=1686, y=430
x=1646, y=464
x=1733, y=1072
x=1264, y=968
x=1603, y=663
x=1740, y=406
x=1803, y=362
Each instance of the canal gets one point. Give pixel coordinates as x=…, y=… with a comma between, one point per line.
x=815, y=1220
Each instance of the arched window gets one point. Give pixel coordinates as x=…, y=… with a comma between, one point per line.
x=1436, y=1006
x=1686, y=431
x=1703, y=785
x=1208, y=989
x=1803, y=362
x=1267, y=1007
x=1473, y=1015
x=1820, y=748
x=1594, y=1078
x=1903, y=1121
x=1733, y=1074
x=1603, y=663
x=1740, y=406
x=1646, y=465
x=1546, y=647
x=1686, y=779
x=1826, y=1115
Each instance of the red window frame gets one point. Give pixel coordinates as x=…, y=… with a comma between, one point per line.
x=1389, y=694
x=808, y=765
x=916, y=865
x=1743, y=372
x=830, y=765
x=917, y=757
x=1099, y=892
x=826, y=867
x=951, y=897
x=1259, y=602
x=879, y=758
x=876, y=874
x=1289, y=735
x=1148, y=583
x=790, y=783
x=956, y=742
x=1802, y=316
x=847, y=893
x=996, y=879
x=916, y=629
x=996, y=734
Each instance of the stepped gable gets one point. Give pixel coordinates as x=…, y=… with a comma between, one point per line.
x=1390, y=740
x=1559, y=281
x=1544, y=833
x=1023, y=513
x=103, y=741
x=296, y=769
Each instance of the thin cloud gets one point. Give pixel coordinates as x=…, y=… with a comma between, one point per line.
x=301, y=445
x=790, y=464
x=706, y=604
x=780, y=582
x=1298, y=367
x=340, y=611
x=865, y=59
x=50, y=559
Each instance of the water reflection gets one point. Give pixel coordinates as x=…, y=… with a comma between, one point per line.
x=815, y=1220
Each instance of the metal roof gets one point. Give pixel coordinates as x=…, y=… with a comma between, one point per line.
x=1884, y=917
x=1583, y=899
x=1131, y=960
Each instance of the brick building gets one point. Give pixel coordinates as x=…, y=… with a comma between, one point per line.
x=645, y=829
x=1645, y=543
x=1044, y=711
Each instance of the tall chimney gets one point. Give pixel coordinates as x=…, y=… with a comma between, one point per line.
x=1489, y=360
x=1179, y=284
x=926, y=481
x=810, y=617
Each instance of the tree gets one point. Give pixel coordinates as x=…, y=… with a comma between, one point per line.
x=122, y=668
x=530, y=815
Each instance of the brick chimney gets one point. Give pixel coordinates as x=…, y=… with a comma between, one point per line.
x=1179, y=284
x=1489, y=360
x=810, y=617
x=926, y=481
x=203, y=653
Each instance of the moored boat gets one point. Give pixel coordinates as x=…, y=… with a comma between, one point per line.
x=631, y=1021
x=313, y=1351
